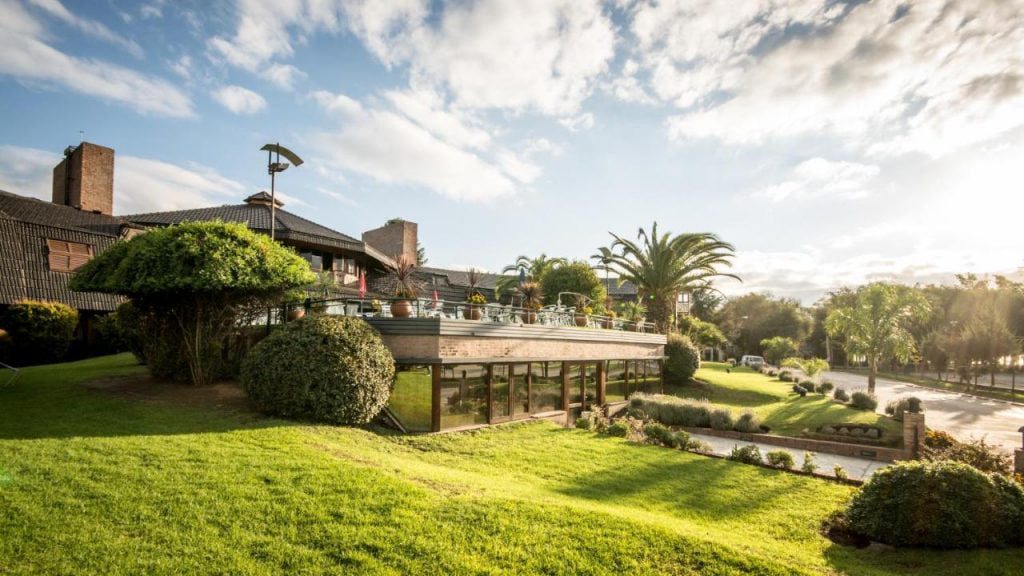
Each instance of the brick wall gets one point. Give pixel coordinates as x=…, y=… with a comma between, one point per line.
x=394, y=238
x=475, y=347
x=823, y=446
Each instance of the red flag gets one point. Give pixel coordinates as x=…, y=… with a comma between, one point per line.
x=435, y=299
x=362, y=284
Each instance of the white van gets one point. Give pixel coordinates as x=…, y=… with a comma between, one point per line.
x=755, y=362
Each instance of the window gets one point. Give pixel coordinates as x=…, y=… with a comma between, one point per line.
x=615, y=383
x=520, y=389
x=316, y=261
x=547, y=386
x=500, y=393
x=463, y=395
x=67, y=256
x=411, y=398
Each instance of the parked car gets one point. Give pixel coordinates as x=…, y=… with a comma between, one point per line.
x=755, y=362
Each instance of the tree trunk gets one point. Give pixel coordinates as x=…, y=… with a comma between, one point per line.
x=872, y=373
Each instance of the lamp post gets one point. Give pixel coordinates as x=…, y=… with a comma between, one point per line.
x=274, y=165
x=1018, y=454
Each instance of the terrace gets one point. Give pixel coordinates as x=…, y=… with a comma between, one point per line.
x=462, y=365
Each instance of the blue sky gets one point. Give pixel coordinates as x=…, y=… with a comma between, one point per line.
x=831, y=142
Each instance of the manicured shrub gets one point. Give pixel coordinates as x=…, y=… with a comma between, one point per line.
x=683, y=359
x=618, y=429
x=799, y=390
x=824, y=388
x=841, y=395
x=748, y=422
x=976, y=453
x=810, y=464
x=328, y=368
x=673, y=411
x=38, y=331
x=780, y=459
x=896, y=408
x=771, y=372
x=938, y=504
x=839, y=472
x=785, y=376
x=862, y=400
x=749, y=454
x=808, y=385
x=938, y=439
x=721, y=419
x=662, y=436
x=699, y=446
x=583, y=423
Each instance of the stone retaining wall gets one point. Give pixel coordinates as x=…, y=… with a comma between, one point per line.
x=824, y=446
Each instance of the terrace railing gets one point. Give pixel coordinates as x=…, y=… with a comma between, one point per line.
x=465, y=311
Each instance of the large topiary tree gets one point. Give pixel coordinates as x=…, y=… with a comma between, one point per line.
x=199, y=278
x=577, y=277
x=683, y=359
x=327, y=368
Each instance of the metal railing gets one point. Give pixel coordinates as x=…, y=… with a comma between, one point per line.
x=428, y=308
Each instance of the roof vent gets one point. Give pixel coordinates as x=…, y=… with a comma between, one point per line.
x=263, y=199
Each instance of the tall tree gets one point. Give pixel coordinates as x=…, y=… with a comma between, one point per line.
x=530, y=269
x=662, y=266
x=747, y=320
x=876, y=325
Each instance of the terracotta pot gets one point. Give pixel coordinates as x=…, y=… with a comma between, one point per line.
x=401, y=309
x=296, y=313
x=472, y=313
x=581, y=320
x=529, y=317
x=608, y=323
x=636, y=326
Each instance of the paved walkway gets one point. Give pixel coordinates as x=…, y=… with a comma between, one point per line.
x=856, y=468
x=961, y=415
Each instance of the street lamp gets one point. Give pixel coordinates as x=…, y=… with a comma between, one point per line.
x=274, y=165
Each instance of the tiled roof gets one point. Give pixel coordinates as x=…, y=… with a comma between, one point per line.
x=461, y=277
x=626, y=290
x=257, y=217
x=25, y=271
x=38, y=211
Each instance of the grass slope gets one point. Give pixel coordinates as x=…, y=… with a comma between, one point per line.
x=96, y=484
x=774, y=401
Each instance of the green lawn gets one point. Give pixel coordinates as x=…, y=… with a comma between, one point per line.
x=775, y=403
x=92, y=483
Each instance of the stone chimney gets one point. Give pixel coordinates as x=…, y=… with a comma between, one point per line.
x=84, y=179
x=394, y=238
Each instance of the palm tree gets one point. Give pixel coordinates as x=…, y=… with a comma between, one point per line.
x=532, y=269
x=877, y=324
x=664, y=266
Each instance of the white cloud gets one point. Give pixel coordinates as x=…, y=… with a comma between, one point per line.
x=890, y=76
x=25, y=55
x=90, y=27
x=438, y=150
x=283, y=75
x=579, y=122
x=239, y=100
x=140, y=184
x=519, y=55
x=818, y=177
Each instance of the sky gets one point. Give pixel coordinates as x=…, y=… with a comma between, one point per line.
x=833, y=143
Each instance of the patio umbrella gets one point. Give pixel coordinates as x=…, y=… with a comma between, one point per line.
x=362, y=284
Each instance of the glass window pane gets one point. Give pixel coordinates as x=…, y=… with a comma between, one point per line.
x=410, y=400
x=499, y=407
x=520, y=389
x=615, y=384
x=575, y=383
x=590, y=384
x=547, y=386
x=463, y=395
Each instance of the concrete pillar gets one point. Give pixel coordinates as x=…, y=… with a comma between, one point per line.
x=913, y=434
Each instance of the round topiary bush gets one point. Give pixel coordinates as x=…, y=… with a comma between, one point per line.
x=328, y=368
x=862, y=400
x=721, y=419
x=841, y=395
x=938, y=504
x=748, y=423
x=683, y=358
x=38, y=331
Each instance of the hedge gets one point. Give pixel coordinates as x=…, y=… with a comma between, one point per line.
x=38, y=331
x=683, y=359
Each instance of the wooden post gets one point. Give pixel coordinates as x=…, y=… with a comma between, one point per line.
x=602, y=381
x=435, y=400
x=490, y=393
x=565, y=391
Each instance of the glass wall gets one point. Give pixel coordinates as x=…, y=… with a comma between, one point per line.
x=615, y=384
x=410, y=400
x=463, y=395
x=520, y=389
x=648, y=376
x=546, y=389
x=500, y=393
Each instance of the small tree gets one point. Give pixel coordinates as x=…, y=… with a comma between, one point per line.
x=876, y=325
x=811, y=366
x=201, y=276
x=577, y=277
x=777, y=348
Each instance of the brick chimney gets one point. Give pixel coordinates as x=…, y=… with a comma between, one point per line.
x=394, y=238
x=84, y=179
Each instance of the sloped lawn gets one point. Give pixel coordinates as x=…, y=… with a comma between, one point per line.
x=785, y=412
x=93, y=482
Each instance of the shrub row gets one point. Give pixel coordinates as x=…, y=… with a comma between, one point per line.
x=674, y=411
x=37, y=331
x=896, y=408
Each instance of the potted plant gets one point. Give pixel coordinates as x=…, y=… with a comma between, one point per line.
x=634, y=312
x=474, y=299
x=609, y=314
x=582, y=313
x=532, y=296
x=405, y=286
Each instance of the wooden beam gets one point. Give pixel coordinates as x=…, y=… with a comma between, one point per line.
x=435, y=398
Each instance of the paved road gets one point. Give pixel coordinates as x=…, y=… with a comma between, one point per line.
x=856, y=468
x=960, y=415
